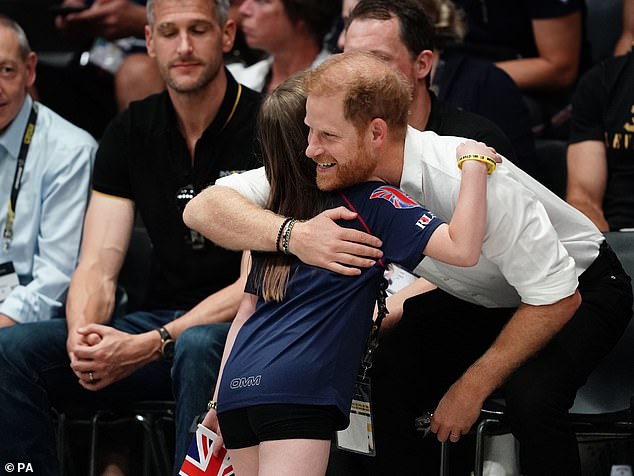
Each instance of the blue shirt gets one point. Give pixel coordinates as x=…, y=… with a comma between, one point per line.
x=307, y=349
x=49, y=212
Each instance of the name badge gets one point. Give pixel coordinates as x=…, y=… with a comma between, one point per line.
x=359, y=436
x=8, y=279
x=398, y=278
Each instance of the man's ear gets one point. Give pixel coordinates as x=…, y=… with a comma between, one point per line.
x=228, y=35
x=423, y=64
x=378, y=132
x=31, y=65
x=149, y=42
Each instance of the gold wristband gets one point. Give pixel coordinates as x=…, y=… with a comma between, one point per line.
x=480, y=158
x=212, y=405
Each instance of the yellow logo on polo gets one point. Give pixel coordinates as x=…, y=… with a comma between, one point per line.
x=629, y=126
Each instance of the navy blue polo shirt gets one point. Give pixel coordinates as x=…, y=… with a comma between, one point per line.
x=307, y=348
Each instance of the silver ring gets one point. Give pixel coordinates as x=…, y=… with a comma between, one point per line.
x=454, y=437
x=91, y=377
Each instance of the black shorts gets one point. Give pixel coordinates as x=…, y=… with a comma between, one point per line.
x=245, y=427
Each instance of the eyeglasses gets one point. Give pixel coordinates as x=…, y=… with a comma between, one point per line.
x=193, y=239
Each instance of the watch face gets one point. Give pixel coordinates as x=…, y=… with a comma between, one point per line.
x=167, y=350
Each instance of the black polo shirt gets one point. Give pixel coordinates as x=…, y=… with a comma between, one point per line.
x=480, y=87
x=446, y=120
x=143, y=157
x=603, y=110
x=503, y=30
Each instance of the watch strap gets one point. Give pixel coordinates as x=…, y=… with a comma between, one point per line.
x=165, y=335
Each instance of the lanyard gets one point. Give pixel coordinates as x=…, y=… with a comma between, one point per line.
x=233, y=109
x=373, y=341
x=17, y=178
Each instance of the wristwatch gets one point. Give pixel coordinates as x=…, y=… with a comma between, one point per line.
x=167, y=344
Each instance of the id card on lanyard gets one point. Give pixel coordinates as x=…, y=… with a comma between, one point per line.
x=7, y=235
x=359, y=436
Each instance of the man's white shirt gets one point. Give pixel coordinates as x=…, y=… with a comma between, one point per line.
x=535, y=245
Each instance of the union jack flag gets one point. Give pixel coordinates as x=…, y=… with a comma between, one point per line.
x=396, y=197
x=200, y=460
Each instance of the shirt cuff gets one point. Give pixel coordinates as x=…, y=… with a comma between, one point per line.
x=552, y=288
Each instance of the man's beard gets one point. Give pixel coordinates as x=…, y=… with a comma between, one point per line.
x=208, y=74
x=357, y=170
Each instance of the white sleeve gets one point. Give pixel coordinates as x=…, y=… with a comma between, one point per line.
x=251, y=184
x=522, y=242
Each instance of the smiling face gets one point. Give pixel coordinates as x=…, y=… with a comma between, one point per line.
x=17, y=75
x=342, y=152
x=188, y=43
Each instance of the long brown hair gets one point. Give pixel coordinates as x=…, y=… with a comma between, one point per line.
x=284, y=137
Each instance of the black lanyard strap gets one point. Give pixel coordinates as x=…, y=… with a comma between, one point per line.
x=17, y=178
x=373, y=340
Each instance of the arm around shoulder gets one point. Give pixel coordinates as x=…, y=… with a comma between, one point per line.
x=460, y=242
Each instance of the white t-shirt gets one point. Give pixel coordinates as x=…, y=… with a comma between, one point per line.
x=535, y=244
x=254, y=76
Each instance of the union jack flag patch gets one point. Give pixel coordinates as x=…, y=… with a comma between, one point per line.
x=200, y=460
x=395, y=196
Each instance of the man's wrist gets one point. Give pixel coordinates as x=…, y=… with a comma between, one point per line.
x=6, y=321
x=280, y=234
x=166, y=344
x=293, y=243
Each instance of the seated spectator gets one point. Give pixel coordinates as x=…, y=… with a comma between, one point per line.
x=241, y=53
x=291, y=32
x=399, y=32
x=152, y=158
x=539, y=43
x=122, y=22
x=477, y=85
x=625, y=41
x=599, y=161
x=45, y=166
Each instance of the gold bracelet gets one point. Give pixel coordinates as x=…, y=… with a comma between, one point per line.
x=212, y=405
x=480, y=158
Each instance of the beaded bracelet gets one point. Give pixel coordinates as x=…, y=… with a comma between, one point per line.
x=212, y=405
x=279, y=234
x=480, y=158
x=287, y=236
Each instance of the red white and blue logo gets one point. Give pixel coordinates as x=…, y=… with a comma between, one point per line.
x=425, y=220
x=395, y=196
x=200, y=460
